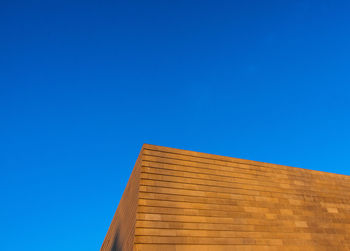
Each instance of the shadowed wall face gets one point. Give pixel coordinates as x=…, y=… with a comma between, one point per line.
x=120, y=235
x=195, y=201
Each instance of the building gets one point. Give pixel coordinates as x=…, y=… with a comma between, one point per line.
x=188, y=201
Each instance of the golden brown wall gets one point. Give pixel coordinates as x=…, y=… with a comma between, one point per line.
x=196, y=201
x=120, y=235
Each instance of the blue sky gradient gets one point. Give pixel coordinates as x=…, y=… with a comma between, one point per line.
x=83, y=84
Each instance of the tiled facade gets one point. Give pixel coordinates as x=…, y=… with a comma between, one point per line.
x=183, y=200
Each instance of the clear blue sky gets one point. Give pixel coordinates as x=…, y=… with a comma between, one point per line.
x=83, y=84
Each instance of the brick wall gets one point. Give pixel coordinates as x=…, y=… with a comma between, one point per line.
x=196, y=201
x=120, y=235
